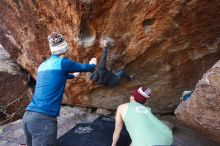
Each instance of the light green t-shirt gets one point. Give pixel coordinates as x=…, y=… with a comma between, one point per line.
x=144, y=128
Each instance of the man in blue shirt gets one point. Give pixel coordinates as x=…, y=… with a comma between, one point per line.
x=39, y=120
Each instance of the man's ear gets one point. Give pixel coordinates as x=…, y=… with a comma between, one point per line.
x=131, y=97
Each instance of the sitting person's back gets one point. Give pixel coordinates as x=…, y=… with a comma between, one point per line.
x=143, y=127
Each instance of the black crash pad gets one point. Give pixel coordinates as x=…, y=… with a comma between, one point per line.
x=107, y=121
x=104, y=120
x=91, y=134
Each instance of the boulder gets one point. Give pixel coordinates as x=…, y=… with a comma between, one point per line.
x=167, y=45
x=105, y=112
x=14, y=89
x=201, y=111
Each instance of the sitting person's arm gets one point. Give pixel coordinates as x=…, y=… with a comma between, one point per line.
x=118, y=127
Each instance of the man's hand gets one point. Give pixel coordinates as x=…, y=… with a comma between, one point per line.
x=76, y=74
x=107, y=42
x=93, y=61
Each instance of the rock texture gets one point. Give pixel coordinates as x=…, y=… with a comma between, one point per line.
x=202, y=110
x=166, y=44
x=14, y=90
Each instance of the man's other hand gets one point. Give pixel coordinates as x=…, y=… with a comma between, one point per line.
x=93, y=61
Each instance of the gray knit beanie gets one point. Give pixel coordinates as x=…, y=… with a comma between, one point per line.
x=57, y=43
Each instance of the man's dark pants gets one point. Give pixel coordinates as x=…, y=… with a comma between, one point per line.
x=102, y=67
x=40, y=129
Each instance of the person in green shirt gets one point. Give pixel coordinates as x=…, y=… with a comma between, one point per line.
x=143, y=127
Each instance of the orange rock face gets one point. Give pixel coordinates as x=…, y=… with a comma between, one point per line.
x=166, y=44
x=201, y=111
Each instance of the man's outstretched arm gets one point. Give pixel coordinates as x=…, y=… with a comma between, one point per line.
x=70, y=66
x=118, y=127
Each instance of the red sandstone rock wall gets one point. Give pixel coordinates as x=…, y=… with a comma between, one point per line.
x=201, y=112
x=167, y=44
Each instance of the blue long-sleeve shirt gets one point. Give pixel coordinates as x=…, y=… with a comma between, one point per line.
x=51, y=80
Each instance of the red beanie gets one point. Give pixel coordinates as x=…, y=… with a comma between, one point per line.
x=140, y=95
